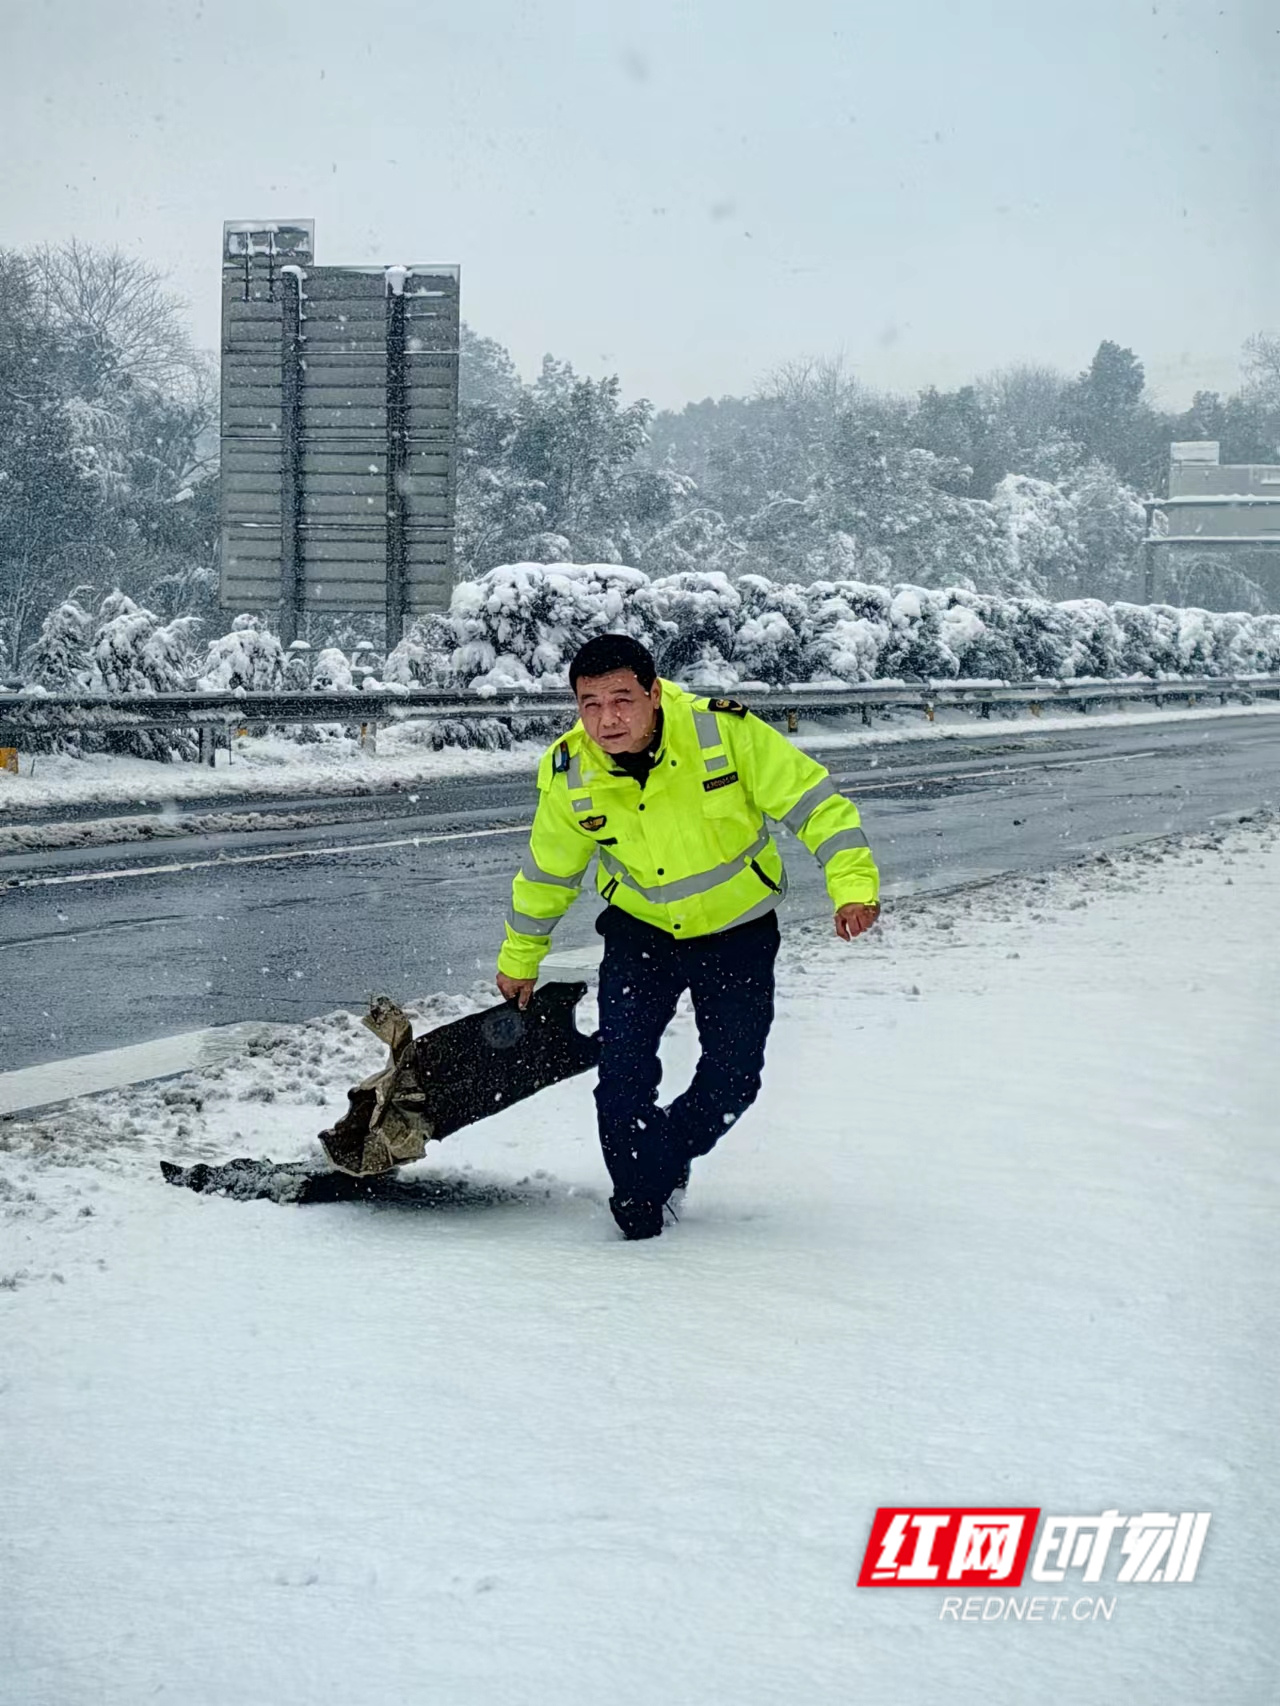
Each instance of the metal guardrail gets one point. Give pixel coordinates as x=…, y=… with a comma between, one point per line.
x=217, y=714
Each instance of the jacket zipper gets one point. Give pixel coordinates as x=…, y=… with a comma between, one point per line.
x=767, y=881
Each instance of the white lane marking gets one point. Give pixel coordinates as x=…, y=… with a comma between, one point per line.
x=1113, y=758
x=259, y=858
x=116, y=1068
x=1001, y=770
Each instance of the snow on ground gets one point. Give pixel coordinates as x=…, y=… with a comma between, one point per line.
x=269, y=766
x=276, y=767
x=1001, y=1230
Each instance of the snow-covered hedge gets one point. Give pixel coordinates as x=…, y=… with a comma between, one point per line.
x=520, y=624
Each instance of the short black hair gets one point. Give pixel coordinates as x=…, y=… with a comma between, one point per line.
x=607, y=652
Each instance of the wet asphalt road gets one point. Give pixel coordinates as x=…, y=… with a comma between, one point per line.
x=405, y=892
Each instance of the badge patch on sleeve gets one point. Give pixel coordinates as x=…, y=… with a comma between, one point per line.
x=734, y=707
x=715, y=782
x=594, y=823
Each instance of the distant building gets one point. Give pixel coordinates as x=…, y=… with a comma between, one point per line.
x=1214, y=540
x=1211, y=503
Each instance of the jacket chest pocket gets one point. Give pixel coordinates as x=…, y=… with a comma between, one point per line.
x=728, y=822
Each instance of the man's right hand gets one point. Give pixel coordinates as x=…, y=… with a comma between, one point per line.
x=518, y=989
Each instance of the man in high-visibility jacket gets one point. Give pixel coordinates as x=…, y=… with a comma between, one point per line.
x=670, y=791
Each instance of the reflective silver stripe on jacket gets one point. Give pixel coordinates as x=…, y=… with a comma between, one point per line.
x=533, y=872
x=768, y=904
x=710, y=738
x=524, y=925
x=805, y=806
x=838, y=843
x=663, y=894
x=573, y=776
x=708, y=727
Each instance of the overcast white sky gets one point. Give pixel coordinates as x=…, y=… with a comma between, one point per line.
x=689, y=191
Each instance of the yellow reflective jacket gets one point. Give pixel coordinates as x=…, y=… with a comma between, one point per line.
x=690, y=852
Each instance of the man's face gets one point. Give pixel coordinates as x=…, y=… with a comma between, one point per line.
x=617, y=712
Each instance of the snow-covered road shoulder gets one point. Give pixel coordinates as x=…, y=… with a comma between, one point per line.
x=1000, y=1229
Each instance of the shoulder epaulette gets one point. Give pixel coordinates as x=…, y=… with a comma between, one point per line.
x=733, y=707
x=560, y=763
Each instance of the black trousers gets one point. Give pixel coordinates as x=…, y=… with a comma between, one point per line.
x=645, y=971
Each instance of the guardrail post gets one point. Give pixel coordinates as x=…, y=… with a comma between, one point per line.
x=928, y=709
x=793, y=721
x=208, y=745
x=369, y=737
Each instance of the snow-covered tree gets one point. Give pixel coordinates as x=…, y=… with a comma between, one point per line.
x=1109, y=522
x=1040, y=526
x=131, y=652
x=59, y=660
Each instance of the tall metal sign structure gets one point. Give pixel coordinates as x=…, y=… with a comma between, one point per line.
x=339, y=431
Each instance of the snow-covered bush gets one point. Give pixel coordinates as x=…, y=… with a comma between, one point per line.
x=248, y=658
x=1041, y=636
x=424, y=656
x=517, y=627
x=768, y=645
x=1096, y=641
x=693, y=619
x=332, y=673
x=976, y=628
x=522, y=622
x=297, y=667
x=846, y=630
x=917, y=648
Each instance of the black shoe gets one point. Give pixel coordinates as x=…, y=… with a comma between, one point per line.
x=636, y=1217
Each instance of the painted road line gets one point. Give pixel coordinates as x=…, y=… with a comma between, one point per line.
x=117, y=1068
x=1003, y=770
x=226, y=861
